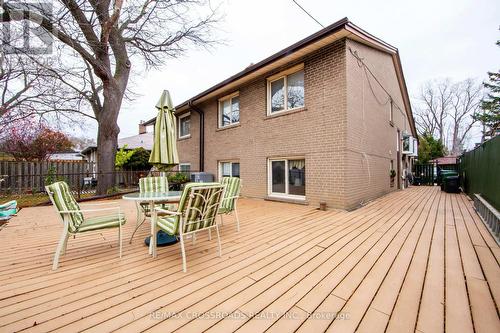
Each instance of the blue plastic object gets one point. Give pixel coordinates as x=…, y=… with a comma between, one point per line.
x=162, y=239
x=8, y=209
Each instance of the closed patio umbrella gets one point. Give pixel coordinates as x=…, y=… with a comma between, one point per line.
x=164, y=154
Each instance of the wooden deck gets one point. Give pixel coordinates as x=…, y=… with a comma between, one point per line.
x=419, y=260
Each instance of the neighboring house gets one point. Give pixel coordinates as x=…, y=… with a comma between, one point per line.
x=69, y=155
x=446, y=160
x=90, y=154
x=142, y=140
x=6, y=157
x=308, y=124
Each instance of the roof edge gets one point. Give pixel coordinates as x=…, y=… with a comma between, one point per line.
x=290, y=49
x=332, y=28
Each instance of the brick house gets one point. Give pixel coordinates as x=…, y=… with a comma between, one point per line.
x=324, y=120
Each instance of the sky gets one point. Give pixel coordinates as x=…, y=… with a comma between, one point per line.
x=436, y=39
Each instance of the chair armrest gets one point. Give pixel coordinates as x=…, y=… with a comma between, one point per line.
x=165, y=211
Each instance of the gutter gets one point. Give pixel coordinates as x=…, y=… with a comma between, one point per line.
x=291, y=49
x=333, y=28
x=406, y=97
x=202, y=133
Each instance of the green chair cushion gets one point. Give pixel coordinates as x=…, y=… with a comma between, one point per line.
x=102, y=222
x=153, y=184
x=170, y=224
x=224, y=210
x=64, y=201
x=232, y=190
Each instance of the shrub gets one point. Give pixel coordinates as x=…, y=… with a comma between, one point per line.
x=178, y=177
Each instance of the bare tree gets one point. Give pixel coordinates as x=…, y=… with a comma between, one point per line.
x=467, y=96
x=431, y=116
x=18, y=85
x=98, y=41
x=31, y=89
x=444, y=109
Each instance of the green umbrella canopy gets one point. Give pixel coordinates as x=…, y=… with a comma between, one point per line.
x=164, y=154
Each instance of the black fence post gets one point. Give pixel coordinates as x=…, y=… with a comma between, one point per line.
x=79, y=186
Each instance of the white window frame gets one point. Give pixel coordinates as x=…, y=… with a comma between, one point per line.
x=391, y=112
x=184, y=164
x=285, y=195
x=188, y=114
x=283, y=75
x=411, y=145
x=219, y=115
x=415, y=147
x=227, y=161
x=398, y=141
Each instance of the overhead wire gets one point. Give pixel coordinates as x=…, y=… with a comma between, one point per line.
x=361, y=63
x=367, y=70
x=305, y=11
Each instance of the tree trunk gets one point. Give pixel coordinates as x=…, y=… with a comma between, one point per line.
x=107, y=137
x=455, y=147
x=107, y=144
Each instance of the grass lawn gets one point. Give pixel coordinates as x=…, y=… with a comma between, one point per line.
x=30, y=200
x=26, y=200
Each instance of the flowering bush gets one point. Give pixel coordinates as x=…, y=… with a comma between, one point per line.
x=30, y=141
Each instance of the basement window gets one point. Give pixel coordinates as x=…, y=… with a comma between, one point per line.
x=229, y=169
x=184, y=167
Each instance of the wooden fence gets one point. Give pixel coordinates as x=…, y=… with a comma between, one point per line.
x=30, y=176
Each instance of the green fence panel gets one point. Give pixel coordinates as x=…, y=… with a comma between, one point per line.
x=425, y=172
x=428, y=173
x=480, y=171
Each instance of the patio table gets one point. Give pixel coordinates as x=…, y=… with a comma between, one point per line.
x=153, y=198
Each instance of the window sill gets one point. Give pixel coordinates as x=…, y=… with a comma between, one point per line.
x=184, y=137
x=285, y=113
x=287, y=200
x=228, y=127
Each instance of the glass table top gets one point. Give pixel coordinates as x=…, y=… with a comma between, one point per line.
x=153, y=196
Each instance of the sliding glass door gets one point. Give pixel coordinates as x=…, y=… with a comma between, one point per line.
x=287, y=178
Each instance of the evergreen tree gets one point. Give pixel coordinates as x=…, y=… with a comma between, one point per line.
x=490, y=117
x=429, y=148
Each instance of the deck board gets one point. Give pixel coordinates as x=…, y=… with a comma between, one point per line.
x=413, y=260
x=457, y=317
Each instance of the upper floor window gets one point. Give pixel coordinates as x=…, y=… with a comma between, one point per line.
x=229, y=110
x=285, y=90
x=184, y=125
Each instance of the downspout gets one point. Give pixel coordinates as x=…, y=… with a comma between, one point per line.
x=202, y=133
